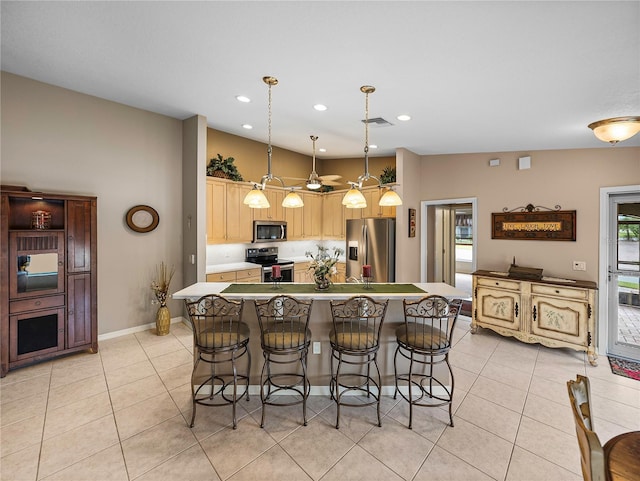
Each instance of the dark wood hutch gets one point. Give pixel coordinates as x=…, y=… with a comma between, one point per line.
x=48, y=276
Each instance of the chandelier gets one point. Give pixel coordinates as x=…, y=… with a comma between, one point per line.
x=354, y=199
x=256, y=199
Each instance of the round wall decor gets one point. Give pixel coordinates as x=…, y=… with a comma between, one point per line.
x=142, y=218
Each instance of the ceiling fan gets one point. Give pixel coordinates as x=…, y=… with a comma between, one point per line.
x=315, y=181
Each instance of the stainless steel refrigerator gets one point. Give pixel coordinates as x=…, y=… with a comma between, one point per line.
x=372, y=242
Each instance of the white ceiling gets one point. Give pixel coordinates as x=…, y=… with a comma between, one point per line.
x=474, y=76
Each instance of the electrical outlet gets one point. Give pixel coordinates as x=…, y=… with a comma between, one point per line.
x=579, y=266
x=316, y=347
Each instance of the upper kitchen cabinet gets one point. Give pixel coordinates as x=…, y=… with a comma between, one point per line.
x=239, y=215
x=228, y=218
x=275, y=210
x=333, y=220
x=312, y=215
x=295, y=223
x=373, y=209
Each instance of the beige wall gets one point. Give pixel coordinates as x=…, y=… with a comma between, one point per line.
x=408, y=176
x=351, y=169
x=251, y=158
x=569, y=178
x=63, y=141
x=57, y=140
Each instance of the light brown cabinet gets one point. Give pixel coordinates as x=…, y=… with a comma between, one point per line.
x=554, y=314
x=323, y=216
x=48, y=279
x=275, y=210
x=301, y=272
x=312, y=216
x=333, y=221
x=252, y=276
x=229, y=220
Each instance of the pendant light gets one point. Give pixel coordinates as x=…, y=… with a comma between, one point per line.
x=616, y=129
x=390, y=198
x=256, y=199
x=314, y=182
x=292, y=200
x=354, y=199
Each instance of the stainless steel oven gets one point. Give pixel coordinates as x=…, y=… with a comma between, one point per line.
x=267, y=257
x=286, y=271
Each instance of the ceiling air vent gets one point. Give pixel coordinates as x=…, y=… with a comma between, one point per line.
x=377, y=122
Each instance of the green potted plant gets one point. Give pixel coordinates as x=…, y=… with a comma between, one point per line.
x=388, y=175
x=224, y=168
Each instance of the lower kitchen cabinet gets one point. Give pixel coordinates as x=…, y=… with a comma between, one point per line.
x=251, y=276
x=301, y=272
x=552, y=313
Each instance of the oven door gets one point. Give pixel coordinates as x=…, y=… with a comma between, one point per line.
x=286, y=270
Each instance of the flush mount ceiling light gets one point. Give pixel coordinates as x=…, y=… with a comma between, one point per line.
x=243, y=99
x=256, y=199
x=320, y=107
x=616, y=129
x=354, y=199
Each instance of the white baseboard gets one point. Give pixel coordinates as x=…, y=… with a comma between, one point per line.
x=133, y=330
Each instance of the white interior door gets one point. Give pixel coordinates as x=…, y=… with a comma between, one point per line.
x=623, y=279
x=445, y=248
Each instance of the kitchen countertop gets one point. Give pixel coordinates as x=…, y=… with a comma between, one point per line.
x=232, y=266
x=200, y=289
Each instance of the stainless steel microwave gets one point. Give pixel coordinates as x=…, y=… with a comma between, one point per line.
x=269, y=230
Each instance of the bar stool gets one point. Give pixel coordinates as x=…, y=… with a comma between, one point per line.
x=285, y=339
x=355, y=339
x=219, y=337
x=425, y=339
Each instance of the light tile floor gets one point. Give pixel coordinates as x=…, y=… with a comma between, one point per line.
x=121, y=415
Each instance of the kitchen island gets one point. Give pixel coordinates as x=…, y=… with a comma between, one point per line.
x=318, y=365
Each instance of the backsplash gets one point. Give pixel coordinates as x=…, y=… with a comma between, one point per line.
x=229, y=253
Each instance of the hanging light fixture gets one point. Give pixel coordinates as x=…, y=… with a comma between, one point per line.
x=314, y=181
x=354, y=199
x=256, y=199
x=616, y=129
x=390, y=198
x=292, y=200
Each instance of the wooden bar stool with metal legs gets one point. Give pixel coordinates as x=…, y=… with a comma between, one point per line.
x=285, y=339
x=355, y=340
x=219, y=338
x=425, y=340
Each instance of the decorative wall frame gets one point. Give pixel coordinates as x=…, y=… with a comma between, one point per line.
x=534, y=223
x=142, y=218
x=412, y=222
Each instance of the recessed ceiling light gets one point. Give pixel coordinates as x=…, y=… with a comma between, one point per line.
x=322, y=150
x=242, y=98
x=247, y=126
x=373, y=146
x=403, y=117
x=320, y=107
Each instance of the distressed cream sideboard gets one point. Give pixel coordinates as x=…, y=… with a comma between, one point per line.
x=554, y=313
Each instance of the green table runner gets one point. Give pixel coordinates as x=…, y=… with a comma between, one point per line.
x=295, y=288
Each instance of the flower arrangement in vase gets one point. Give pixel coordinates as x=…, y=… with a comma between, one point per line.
x=323, y=265
x=160, y=288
